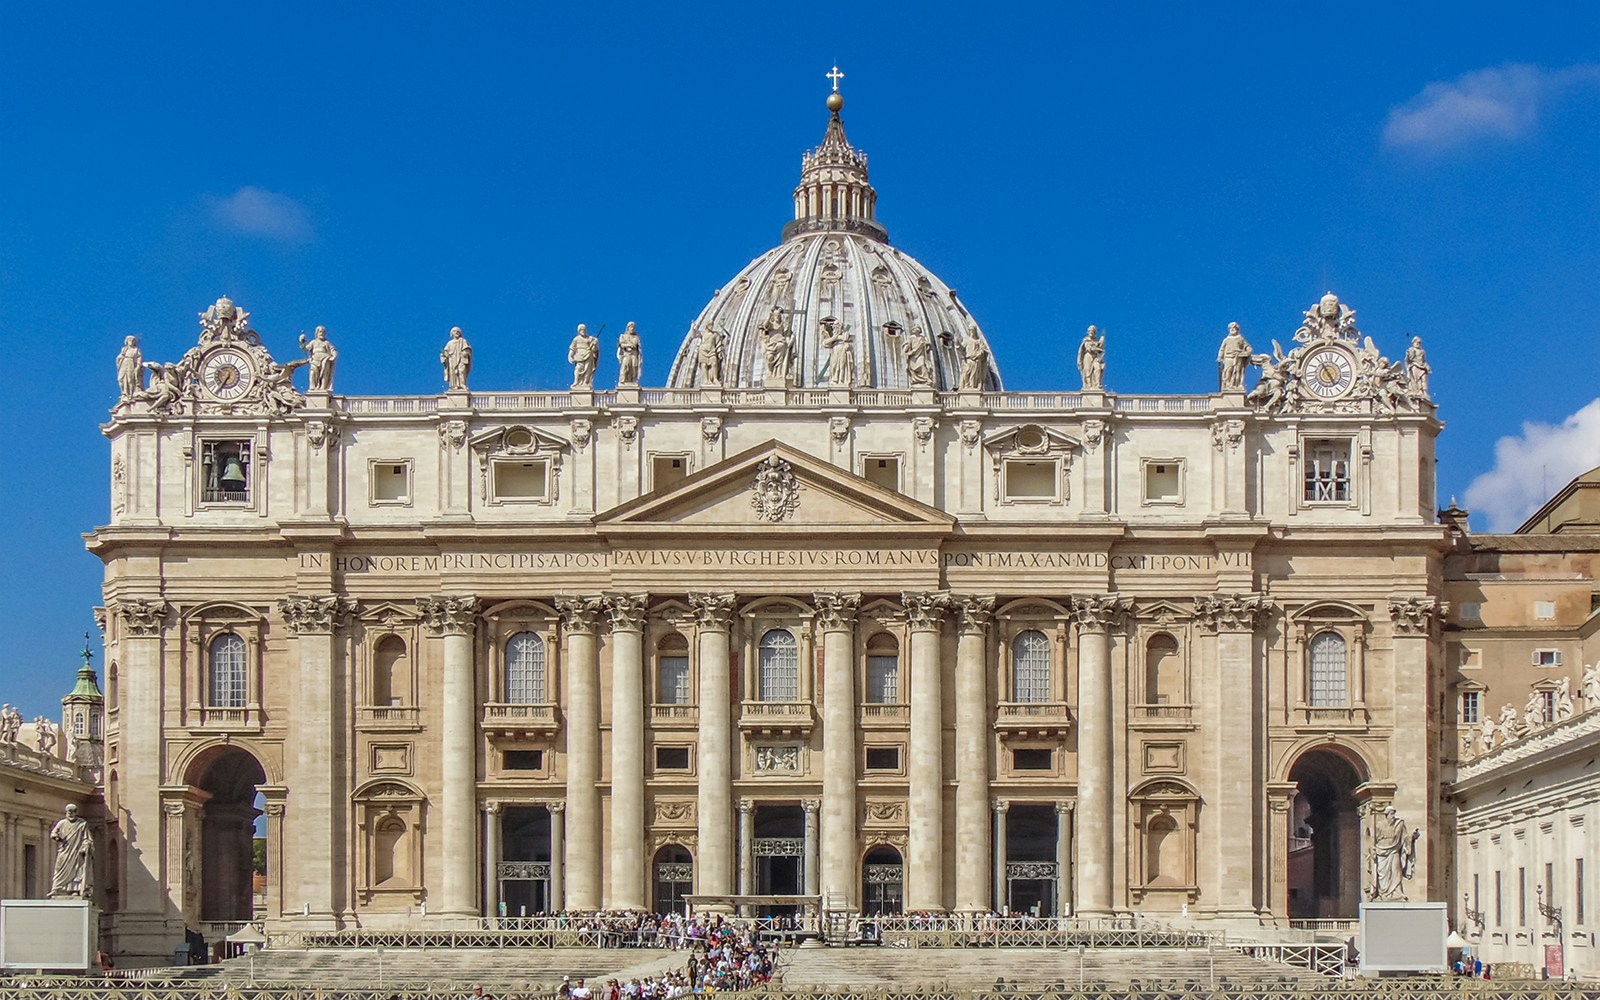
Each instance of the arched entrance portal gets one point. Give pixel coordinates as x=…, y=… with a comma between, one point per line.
x=674, y=879
x=220, y=819
x=1325, y=837
x=882, y=881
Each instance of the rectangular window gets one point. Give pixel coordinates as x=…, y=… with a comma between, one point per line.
x=1163, y=482
x=1522, y=897
x=672, y=758
x=1547, y=705
x=1469, y=708
x=225, y=472
x=883, y=758
x=1470, y=611
x=883, y=680
x=668, y=470
x=1031, y=759
x=1577, y=889
x=1544, y=610
x=1547, y=657
x=30, y=871
x=1327, y=472
x=391, y=483
x=1550, y=883
x=883, y=471
x=1477, y=904
x=674, y=686
x=523, y=760
x=521, y=481
x=1499, y=912
x=1329, y=670
x=1029, y=480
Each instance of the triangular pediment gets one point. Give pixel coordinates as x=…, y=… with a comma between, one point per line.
x=773, y=488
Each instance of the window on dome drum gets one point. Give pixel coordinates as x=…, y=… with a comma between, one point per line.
x=523, y=760
x=1030, y=479
x=391, y=483
x=672, y=679
x=1329, y=670
x=229, y=677
x=883, y=670
x=522, y=481
x=668, y=470
x=1469, y=707
x=225, y=471
x=1163, y=481
x=1030, y=667
x=525, y=669
x=672, y=758
x=882, y=470
x=883, y=758
x=1327, y=471
x=778, y=667
x=1032, y=759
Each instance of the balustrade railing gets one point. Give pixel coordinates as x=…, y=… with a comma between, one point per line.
x=1178, y=712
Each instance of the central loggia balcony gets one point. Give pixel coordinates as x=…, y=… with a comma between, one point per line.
x=790, y=717
x=1033, y=718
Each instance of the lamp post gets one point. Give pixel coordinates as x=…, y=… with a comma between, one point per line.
x=1473, y=916
x=1553, y=914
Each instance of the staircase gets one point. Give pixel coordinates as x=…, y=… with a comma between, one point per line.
x=498, y=970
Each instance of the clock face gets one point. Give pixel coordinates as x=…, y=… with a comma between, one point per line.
x=227, y=375
x=1328, y=373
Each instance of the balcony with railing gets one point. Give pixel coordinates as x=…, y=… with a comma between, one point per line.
x=373, y=718
x=1163, y=716
x=674, y=716
x=1332, y=716
x=520, y=720
x=230, y=719
x=776, y=716
x=885, y=714
x=1033, y=718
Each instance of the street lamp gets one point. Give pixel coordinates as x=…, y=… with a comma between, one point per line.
x=1473, y=916
x=1553, y=914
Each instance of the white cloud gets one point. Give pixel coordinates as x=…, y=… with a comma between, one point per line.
x=1529, y=468
x=1499, y=103
x=256, y=211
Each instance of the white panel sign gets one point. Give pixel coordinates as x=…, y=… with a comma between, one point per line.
x=47, y=933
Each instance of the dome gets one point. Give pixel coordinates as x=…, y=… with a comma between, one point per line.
x=841, y=295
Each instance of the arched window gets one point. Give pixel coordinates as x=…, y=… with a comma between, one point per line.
x=388, y=851
x=1329, y=669
x=672, y=671
x=1163, y=671
x=883, y=670
x=389, y=681
x=778, y=667
x=1163, y=852
x=229, y=672
x=1030, y=667
x=525, y=669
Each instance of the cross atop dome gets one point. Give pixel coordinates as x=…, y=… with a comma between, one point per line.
x=835, y=76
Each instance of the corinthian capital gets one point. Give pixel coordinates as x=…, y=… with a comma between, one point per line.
x=1231, y=612
x=626, y=611
x=713, y=611
x=836, y=611
x=1099, y=611
x=449, y=615
x=1415, y=615
x=579, y=614
x=141, y=618
x=315, y=615
x=975, y=611
x=926, y=610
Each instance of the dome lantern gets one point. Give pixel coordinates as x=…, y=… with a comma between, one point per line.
x=834, y=193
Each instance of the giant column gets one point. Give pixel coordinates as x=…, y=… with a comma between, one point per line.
x=627, y=751
x=1415, y=622
x=925, y=805
x=1095, y=614
x=1233, y=743
x=580, y=618
x=713, y=867
x=974, y=739
x=836, y=616
x=312, y=762
x=454, y=618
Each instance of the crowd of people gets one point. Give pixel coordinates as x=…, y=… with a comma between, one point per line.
x=723, y=954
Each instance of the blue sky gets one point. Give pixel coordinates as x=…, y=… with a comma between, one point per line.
x=390, y=171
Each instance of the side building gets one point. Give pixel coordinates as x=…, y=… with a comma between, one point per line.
x=830, y=615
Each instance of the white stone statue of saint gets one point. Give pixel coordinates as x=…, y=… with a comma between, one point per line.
x=919, y=360
x=1564, y=706
x=1391, y=855
x=974, y=360
x=1233, y=359
x=583, y=354
x=1508, y=724
x=321, y=355
x=44, y=736
x=630, y=356
x=708, y=356
x=1486, y=734
x=130, y=370
x=1591, y=686
x=1533, y=712
x=841, y=345
x=10, y=724
x=457, y=360
x=1417, y=369
x=74, y=871
x=1092, y=361
x=777, y=349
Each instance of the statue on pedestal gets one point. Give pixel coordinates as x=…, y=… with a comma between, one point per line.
x=584, y=354
x=130, y=370
x=777, y=349
x=919, y=360
x=457, y=360
x=1233, y=359
x=1417, y=369
x=10, y=724
x=630, y=356
x=45, y=736
x=841, y=345
x=1564, y=704
x=1391, y=855
x=74, y=871
x=1092, y=361
x=709, y=356
x=974, y=360
x=1591, y=686
x=321, y=354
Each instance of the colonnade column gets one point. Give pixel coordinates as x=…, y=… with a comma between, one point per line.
x=747, y=847
x=836, y=616
x=627, y=751
x=312, y=763
x=1233, y=748
x=558, y=846
x=974, y=739
x=1414, y=622
x=925, y=804
x=811, y=807
x=1001, y=807
x=1095, y=614
x=1064, y=859
x=143, y=927
x=455, y=618
x=713, y=863
x=580, y=618
x=491, y=859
